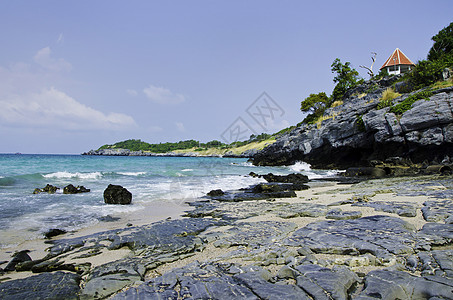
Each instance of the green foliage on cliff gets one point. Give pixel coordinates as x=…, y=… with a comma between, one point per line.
x=404, y=106
x=316, y=104
x=440, y=56
x=360, y=123
x=443, y=44
x=346, y=78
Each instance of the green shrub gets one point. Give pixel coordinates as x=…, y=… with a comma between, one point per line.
x=360, y=124
x=404, y=106
x=384, y=103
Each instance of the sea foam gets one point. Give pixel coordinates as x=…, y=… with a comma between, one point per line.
x=65, y=175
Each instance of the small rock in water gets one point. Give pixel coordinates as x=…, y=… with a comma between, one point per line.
x=116, y=194
x=70, y=189
x=50, y=189
x=53, y=232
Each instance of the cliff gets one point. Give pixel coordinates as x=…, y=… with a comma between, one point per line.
x=361, y=132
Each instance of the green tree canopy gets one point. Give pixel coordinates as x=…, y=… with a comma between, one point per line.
x=443, y=43
x=315, y=103
x=346, y=77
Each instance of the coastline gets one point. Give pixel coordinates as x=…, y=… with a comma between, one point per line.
x=246, y=233
x=153, y=212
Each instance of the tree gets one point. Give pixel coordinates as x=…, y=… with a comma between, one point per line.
x=443, y=43
x=316, y=104
x=370, y=69
x=346, y=78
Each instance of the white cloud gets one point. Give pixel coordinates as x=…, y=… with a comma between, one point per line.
x=162, y=95
x=53, y=108
x=180, y=126
x=28, y=100
x=44, y=59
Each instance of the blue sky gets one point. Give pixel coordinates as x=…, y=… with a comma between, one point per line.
x=75, y=75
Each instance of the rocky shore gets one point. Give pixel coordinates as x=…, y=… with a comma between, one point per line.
x=386, y=238
x=364, y=131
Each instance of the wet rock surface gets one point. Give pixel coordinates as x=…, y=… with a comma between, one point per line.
x=116, y=194
x=438, y=211
x=70, y=189
x=296, y=248
x=50, y=189
x=57, y=285
x=399, y=208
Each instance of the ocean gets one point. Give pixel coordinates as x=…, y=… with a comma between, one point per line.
x=161, y=181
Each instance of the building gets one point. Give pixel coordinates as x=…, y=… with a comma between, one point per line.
x=398, y=63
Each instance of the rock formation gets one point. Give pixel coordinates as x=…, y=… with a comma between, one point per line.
x=116, y=194
x=361, y=131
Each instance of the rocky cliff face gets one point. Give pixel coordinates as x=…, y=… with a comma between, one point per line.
x=424, y=133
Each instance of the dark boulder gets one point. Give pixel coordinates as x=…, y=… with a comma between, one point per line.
x=19, y=257
x=438, y=169
x=116, y=194
x=277, y=187
x=70, y=189
x=216, y=193
x=291, y=178
x=366, y=171
x=53, y=232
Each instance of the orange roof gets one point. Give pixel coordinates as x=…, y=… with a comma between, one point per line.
x=397, y=58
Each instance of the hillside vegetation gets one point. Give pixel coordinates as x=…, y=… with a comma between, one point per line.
x=214, y=147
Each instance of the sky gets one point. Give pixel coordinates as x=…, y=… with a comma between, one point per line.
x=75, y=75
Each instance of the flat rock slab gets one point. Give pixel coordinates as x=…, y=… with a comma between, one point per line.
x=435, y=234
x=338, y=214
x=438, y=211
x=58, y=285
x=230, y=281
x=229, y=211
x=386, y=284
x=158, y=237
x=254, y=233
x=325, y=283
x=399, y=208
x=153, y=245
x=435, y=262
x=381, y=236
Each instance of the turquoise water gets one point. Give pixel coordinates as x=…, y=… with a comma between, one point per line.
x=162, y=180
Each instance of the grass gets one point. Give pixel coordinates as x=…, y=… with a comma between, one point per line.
x=389, y=94
x=441, y=84
x=337, y=103
x=323, y=118
x=387, y=97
